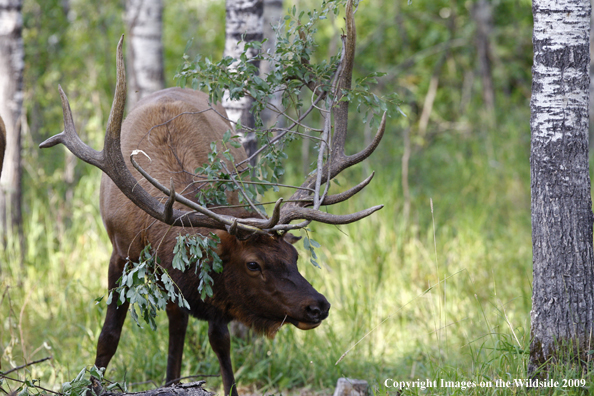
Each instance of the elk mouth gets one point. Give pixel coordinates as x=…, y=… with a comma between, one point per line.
x=312, y=315
x=308, y=325
x=303, y=325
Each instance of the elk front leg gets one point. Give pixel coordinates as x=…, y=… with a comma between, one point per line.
x=115, y=317
x=218, y=335
x=178, y=323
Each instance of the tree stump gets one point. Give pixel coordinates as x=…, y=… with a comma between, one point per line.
x=351, y=387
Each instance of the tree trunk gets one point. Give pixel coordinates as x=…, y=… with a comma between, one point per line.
x=144, y=20
x=482, y=12
x=11, y=100
x=244, y=20
x=591, y=108
x=273, y=13
x=563, y=289
x=2, y=143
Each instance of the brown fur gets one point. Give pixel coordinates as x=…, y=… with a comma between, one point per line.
x=177, y=144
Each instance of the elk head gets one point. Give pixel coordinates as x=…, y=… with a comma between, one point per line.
x=262, y=271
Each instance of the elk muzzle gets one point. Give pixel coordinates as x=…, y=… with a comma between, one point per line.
x=314, y=311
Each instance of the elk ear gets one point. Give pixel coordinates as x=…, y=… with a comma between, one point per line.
x=288, y=237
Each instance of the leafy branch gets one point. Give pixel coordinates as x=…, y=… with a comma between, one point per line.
x=146, y=285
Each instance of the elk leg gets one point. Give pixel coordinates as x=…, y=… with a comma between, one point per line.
x=178, y=323
x=114, y=319
x=218, y=335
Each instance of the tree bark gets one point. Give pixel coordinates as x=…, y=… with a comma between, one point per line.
x=562, y=219
x=11, y=100
x=189, y=389
x=591, y=108
x=482, y=12
x=144, y=20
x=2, y=143
x=244, y=20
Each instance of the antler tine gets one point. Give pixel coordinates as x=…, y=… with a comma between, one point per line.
x=338, y=160
x=299, y=213
x=341, y=111
x=341, y=163
x=336, y=166
x=343, y=196
x=116, y=114
x=367, y=151
x=232, y=229
x=275, y=215
x=69, y=137
x=168, y=211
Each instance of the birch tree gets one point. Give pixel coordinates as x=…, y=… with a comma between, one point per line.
x=244, y=23
x=11, y=100
x=144, y=20
x=563, y=289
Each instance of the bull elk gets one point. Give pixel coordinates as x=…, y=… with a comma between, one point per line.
x=260, y=284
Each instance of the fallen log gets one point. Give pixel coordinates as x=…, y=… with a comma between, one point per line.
x=188, y=389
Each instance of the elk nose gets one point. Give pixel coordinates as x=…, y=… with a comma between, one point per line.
x=318, y=311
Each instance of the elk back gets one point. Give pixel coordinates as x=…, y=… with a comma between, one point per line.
x=174, y=128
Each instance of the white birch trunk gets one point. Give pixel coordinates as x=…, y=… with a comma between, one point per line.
x=144, y=20
x=243, y=22
x=11, y=100
x=563, y=290
x=591, y=108
x=244, y=19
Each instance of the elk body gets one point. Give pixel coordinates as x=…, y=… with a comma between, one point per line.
x=259, y=285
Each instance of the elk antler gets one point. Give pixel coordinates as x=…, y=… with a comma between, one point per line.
x=337, y=159
x=111, y=161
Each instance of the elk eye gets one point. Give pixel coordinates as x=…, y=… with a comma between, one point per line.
x=252, y=266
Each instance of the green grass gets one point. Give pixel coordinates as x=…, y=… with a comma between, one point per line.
x=444, y=295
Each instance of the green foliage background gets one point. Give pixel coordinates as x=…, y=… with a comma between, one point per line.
x=443, y=292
